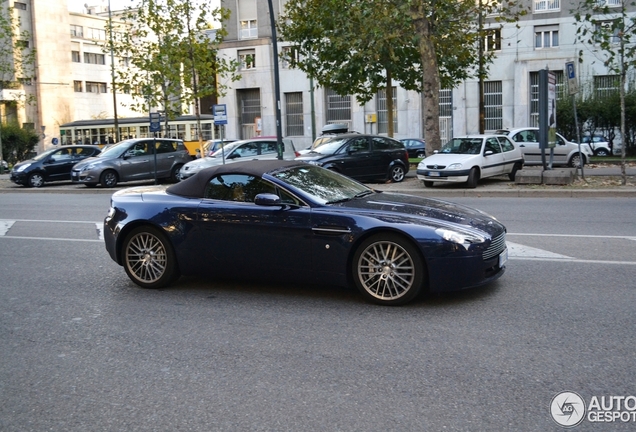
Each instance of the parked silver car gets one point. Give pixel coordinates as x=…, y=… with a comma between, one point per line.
x=566, y=153
x=250, y=149
x=131, y=160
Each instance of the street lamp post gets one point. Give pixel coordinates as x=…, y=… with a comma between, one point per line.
x=112, y=72
x=279, y=130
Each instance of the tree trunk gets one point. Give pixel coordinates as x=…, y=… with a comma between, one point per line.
x=389, y=103
x=430, y=79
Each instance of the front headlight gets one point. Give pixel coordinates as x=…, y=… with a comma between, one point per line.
x=463, y=238
x=88, y=167
x=22, y=167
x=454, y=166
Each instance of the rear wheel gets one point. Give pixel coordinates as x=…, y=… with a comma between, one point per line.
x=397, y=173
x=473, y=178
x=36, y=180
x=148, y=258
x=175, y=176
x=108, y=179
x=575, y=161
x=388, y=270
x=602, y=152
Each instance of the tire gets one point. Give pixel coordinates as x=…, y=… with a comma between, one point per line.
x=388, y=270
x=473, y=178
x=602, y=152
x=35, y=180
x=574, y=161
x=396, y=173
x=420, y=155
x=108, y=179
x=512, y=174
x=428, y=184
x=175, y=175
x=148, y=258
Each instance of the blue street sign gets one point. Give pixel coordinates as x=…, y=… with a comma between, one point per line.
x=155, y=122
x=220, y=114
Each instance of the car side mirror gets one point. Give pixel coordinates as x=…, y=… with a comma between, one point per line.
x=268, y=199
x=488, y=153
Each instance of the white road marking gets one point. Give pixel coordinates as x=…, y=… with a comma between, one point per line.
x=572, y=235
x=516, y=250
x=5, y=225
x=51, y=238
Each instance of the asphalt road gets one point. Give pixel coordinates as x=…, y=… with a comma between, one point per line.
x=83, y=349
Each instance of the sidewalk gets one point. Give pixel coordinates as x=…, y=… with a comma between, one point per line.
x=602, y=181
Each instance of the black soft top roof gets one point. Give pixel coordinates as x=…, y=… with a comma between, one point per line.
x=194, y=187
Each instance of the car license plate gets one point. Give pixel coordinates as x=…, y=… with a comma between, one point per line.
x=433, y=174
x=503, y=257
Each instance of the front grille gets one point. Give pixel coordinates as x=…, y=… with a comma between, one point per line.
x=497, y=246
x=436, y=166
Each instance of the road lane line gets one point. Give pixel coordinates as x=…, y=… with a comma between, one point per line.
x=573, y=260
x=51, y=238
x=572, y=235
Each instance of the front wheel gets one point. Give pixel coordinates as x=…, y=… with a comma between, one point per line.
x=397, y=173
x=108, y=179
x=148, y=258
x=36, y=180
x=388, y=270
x=473, y=178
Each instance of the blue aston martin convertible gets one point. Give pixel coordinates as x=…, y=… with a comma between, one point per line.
x=293, y=221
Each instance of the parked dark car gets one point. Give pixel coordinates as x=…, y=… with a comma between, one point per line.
x=415, y=146
x=289, y=220
x=132, y=160
x=362, y=157
x=52, y=165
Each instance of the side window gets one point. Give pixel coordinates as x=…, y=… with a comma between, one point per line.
x=62, y=155
x=519, y=137
x=165, y=147
x=237, y=187
x=380, y=143
x=532, y=136
x=138, y=149
x=493, y=145
x=247, y=150
x=506, y=145
x=358, y=145
x=82, y=152
x=268, y=147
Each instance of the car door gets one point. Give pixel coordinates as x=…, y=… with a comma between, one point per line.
x=354, y=159
x=492, y=157
x=237, y=235
x=561, y=151
x=59, y=164
x=382, y=154
x=166, y=151
x=137, y=162
x=528, y=142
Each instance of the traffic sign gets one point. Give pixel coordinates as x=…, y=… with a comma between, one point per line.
x=155, y=122
x=220, y=114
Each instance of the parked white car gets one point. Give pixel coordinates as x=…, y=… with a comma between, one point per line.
x=566, y=153
x=250, y=149
x=599, y=144
x=470, y=158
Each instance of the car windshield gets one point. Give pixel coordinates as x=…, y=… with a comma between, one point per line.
x=324, y=186
x=115, y=150
x=44, y=155
x=330, y=146
x=463, y=146
x=226, y=149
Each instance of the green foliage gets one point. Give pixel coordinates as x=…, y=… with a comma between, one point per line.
x=172, y=59
x=17, y=142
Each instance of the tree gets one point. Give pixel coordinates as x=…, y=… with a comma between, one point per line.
x=610, y=33
x=360, y=46
x=17, y=60
x=17, y=142
x=172, y=57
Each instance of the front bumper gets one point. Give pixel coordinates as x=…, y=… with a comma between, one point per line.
x=18, y=178
x=84, y=177
x=450, y=176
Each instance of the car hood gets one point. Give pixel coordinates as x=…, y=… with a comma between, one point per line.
x=424, y=211
x=87, y=161
x=445, y=159
x=312, y=155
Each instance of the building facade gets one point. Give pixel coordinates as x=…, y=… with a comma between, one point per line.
x=544, y=38
x=72, y=74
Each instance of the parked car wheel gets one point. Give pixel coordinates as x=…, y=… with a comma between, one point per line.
x=108, y=179
x=512, y=174
x=148, y=258
x=420, y=155
x=36, y=180
x=388, y=270
x=397, y=173
x=575, y=161
x=602, y=152
x=473, y=178
x=175, y=176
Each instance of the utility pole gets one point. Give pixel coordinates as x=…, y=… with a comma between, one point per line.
x=112, y=74
x=279, y=129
